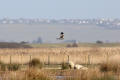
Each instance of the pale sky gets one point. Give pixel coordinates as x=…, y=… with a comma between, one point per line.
x=60, y=9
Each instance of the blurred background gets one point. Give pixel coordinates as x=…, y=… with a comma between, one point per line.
x=41, y=21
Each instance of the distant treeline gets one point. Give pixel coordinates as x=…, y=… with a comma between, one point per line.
x=13, y=45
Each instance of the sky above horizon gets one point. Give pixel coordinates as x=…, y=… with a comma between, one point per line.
x=59, y=9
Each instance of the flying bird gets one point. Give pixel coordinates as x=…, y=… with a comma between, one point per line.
x=61, y=36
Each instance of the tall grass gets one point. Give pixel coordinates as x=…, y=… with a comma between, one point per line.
x=34, y=74
x=36, y=63
x=108, y=57
x=80, y=55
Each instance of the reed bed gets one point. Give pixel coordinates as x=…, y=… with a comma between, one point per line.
x=107, y=57
x=34, y=74
x=80, y=55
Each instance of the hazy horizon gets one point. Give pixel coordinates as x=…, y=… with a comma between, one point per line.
x=49, y=32
x=59, y=9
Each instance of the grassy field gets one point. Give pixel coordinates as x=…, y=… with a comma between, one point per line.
x=58, y=45
x=102, y=61
x=81, y=55
x=48, y=45
x=36, y=74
